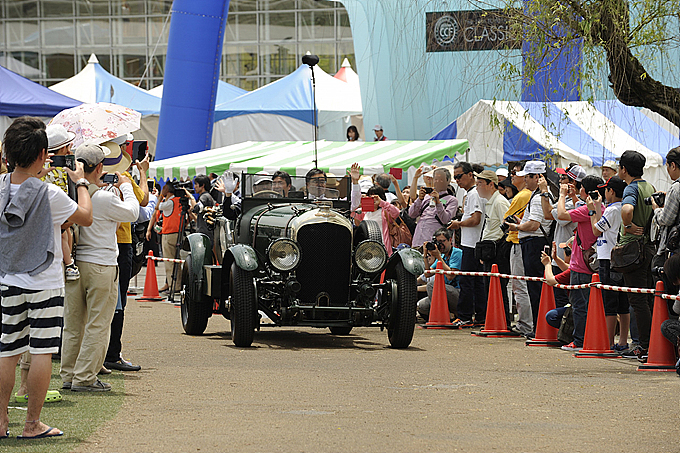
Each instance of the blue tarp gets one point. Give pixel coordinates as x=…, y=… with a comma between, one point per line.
x=20, y=96
x=290, y=96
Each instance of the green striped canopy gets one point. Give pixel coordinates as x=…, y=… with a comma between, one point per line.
x=297, y=158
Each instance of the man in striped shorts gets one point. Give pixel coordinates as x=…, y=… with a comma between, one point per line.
x=31, y=273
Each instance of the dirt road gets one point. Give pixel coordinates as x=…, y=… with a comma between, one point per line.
x=305, y=390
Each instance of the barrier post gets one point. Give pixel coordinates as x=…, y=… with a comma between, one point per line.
x=596, y=339
x=150, y=284
x=661, y=355
x=546, y=335
x=496, y=324
x=439, y=317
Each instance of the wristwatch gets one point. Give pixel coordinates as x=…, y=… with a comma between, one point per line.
x=545, y=194
x=82, y=182
x=591, y=213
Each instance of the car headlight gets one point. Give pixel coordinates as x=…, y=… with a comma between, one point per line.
x=284, y=254
x=370, y=256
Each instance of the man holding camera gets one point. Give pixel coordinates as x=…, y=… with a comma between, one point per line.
x=636, y=218
x=91, y=300
x=667, y=218
x=533, y=233
x=473, y=300
x=584, y=239
x=606, y=226
x=492, y=234
x=31, y=274
x=434, y=205
x=441, y=249
x=515, y=212
x=170, y=208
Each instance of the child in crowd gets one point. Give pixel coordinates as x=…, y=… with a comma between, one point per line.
x=60, y=142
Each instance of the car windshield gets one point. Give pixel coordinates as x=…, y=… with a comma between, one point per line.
x=318, y=186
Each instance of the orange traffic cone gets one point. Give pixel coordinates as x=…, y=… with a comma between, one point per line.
x=546, y=335
x=596, y=339
x=495, y=325
x=439, y=305
x=661, y=351
x=150, y=283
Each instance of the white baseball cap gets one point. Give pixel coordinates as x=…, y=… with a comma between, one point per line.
x=533, y=167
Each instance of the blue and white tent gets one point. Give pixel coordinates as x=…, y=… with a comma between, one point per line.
x=582, y=132
x=95, y=84
x=225, y=92
x=283, y=110
x=20, y=96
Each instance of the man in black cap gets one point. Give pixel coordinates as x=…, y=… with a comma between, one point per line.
x=635, y=221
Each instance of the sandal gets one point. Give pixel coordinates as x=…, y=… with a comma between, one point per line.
x=52, y=396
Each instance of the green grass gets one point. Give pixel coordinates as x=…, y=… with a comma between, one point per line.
x=77, y=414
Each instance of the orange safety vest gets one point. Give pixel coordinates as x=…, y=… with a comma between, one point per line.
x=171, y=222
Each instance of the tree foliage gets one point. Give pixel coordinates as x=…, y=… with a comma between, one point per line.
x=622, y=33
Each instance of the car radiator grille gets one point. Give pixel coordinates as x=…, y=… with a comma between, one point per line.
x=325, y=265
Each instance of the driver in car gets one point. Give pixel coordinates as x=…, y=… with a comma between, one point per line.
x=316, y=184
x=262, y=181
x=281, y=183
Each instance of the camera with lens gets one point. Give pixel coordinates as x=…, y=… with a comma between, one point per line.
x=658, y=197
x=435, y=244
x=509, y=219
x=178, y=187
x=658, y=272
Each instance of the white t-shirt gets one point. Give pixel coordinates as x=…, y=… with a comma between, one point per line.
x=534, y=211
x=469, y=236
x=62, y=208
x=609, y=225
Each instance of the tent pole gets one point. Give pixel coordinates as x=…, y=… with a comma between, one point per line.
x=316, y=128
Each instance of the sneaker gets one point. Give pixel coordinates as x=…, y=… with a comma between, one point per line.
x=97, y=386
x=460, y=324
x=634, y=353
x=571, y=347
x=620, y=347
x=66, y=386
x=529, y=335
x=72, y=272
x=122, y=365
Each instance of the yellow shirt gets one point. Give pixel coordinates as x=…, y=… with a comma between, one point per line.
x=517, y=207
x=124, y=232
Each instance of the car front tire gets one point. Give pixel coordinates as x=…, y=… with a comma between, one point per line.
x=402, y=318
x=243, y=307
x=194, y=308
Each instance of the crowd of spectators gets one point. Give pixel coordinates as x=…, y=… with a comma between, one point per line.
x=71, y=244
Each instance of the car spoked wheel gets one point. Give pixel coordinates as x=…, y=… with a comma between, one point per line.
x=402, y=319
x=195, y=310
x=243, y=307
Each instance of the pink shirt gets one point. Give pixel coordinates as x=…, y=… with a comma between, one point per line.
x=584, y=230
x=389, y=213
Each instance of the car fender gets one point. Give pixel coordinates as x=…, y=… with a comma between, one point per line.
x=201, y=253
x=411, y=259
x=243, y=255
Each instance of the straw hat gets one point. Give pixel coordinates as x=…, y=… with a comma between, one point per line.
x=116, y=160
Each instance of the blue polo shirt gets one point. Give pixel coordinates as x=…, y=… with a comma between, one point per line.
x=453, y=262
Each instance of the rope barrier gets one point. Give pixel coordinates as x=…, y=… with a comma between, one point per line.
x=172, y=260
x=670, y=297
x=542, y=280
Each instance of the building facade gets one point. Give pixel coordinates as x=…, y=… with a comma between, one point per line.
x=51, y=40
